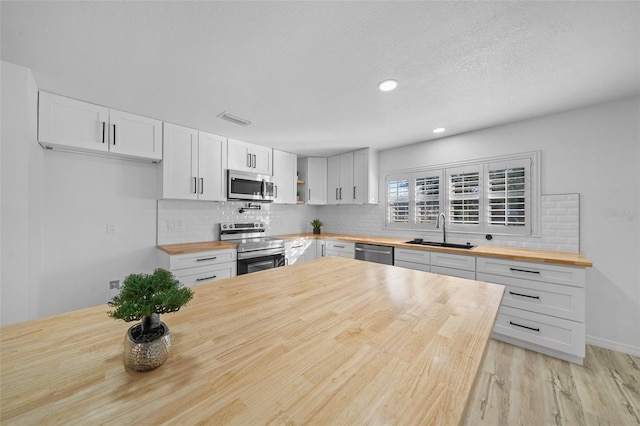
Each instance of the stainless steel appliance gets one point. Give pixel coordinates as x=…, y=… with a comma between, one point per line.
x=256, y=251
x=374, y=253
x=249, y=187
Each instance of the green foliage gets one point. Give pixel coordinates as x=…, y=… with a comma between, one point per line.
x=144, y=294
x=316, y=223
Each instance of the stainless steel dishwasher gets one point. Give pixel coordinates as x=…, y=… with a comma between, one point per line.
x=374, y=253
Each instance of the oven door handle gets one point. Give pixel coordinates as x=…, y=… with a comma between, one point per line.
x=259, y=253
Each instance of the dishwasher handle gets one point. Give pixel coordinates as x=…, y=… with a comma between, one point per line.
x=373, y=251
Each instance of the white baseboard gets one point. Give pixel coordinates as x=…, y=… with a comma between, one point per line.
x=614, y=346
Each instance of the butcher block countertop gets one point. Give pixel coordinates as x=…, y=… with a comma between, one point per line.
x=330, y=341
x=512, y=253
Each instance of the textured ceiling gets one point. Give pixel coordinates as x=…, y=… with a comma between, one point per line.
x=305, y=73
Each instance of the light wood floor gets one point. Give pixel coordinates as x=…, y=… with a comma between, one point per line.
x=521, y=387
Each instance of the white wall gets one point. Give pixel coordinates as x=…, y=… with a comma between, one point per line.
x=56, y=253
x=21, y=195
x=593, y=151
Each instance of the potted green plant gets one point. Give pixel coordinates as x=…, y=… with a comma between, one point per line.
x=144, y=297
x=317, y=224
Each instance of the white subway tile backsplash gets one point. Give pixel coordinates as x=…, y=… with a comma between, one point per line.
x=559, y=222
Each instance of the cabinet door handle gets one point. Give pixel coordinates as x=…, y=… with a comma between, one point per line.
x=524, y=270
x=248, y=160
x=104, y=126
x=301, y=245
x=275, y=187
x=206, y=258
x=322, y=251
x=524, y=326
x=253, y=162
x=309, y=195
x=341, y=193
x=202, y=185
x=206, y=278
x=354, y=192
x=114, y=135
x=195, y=185
x=524, y=295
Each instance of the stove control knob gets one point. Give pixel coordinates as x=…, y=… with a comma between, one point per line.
x=224, y=226
x=256, y=225
x=262, y=225
x=231, y=226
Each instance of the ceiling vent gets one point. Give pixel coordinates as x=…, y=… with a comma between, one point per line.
x=234, y=119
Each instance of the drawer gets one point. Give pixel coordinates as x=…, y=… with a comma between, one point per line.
x=452, y=272
x=457, y=261
x=339, y=253
x=543, y=330
x=341, y=246
x=550, y=299
x=203, y=258
x=203, y=274
x=557, y=274
x=412, y=265
x=408, y=255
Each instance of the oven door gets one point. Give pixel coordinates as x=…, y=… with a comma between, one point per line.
x=257, y=262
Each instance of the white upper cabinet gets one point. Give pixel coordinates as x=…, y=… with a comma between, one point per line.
x=313, y=171
x=248, y=157
x=284, y=177
x=72, y=125
x=340, y=189
x=365, y=176
x=193, y=165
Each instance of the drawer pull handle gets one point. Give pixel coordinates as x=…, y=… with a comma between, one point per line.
x=335, y=245
x=524, y=295
x=524, y=270
x=206, y=278
x=301, y=245
x=207, y=258
x=524, y=326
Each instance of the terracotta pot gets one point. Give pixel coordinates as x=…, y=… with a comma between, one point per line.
x=146, y=356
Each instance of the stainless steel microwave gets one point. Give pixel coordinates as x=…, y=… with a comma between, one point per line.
x=249, y=186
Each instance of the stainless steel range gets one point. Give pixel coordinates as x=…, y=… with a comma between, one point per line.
x=256, y=251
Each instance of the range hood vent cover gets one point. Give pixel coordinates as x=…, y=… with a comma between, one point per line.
x=234, y=119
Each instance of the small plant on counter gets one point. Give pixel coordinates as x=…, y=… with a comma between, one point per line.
x=317, y=224
x=144, y=297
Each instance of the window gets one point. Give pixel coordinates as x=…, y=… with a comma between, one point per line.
x=496, y=196
x=398, y=201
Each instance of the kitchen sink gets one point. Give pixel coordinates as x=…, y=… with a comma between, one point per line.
x=420, y=242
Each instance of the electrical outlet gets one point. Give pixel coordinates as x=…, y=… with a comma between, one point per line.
x=111, y=228
x=114, y=285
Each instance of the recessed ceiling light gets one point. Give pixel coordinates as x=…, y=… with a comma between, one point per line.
x=387, y=85
x=439, y=130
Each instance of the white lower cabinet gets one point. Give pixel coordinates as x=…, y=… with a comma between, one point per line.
x=341, y=249
x=455, y=265
x=299, y=250
x=200, y=267
x=321, y=248
x=543, y=308
x=419, y=260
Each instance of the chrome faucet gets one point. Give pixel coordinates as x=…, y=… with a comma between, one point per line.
x=444, y=226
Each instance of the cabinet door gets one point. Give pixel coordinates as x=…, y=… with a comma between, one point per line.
x=317, y=181
x=262, y=159
x=365, y=176
x=333, y=180
x=321, y=249
x=284, y=177
x=211, y=167
x=67, y=123
x=238, y=156
x=135, y=136
x=179, y=168
x=346, y=178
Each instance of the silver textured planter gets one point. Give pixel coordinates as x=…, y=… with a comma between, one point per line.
x=146, y=356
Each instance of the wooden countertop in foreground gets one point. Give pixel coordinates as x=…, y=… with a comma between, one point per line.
x=330, y=341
